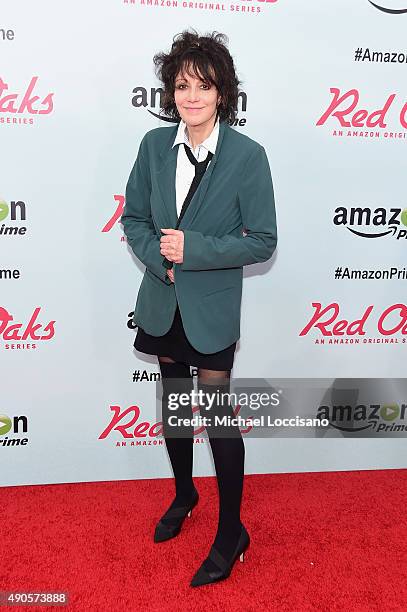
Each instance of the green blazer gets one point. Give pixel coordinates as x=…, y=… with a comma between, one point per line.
x=235, y=194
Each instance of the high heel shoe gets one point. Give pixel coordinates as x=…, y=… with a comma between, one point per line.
x=202, y=576
x=164, y=531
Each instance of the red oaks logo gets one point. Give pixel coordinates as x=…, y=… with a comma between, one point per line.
x=127, y=424
x=117, y=213
x=16, y=103
x=19, y=331
x=326, y=320
x=345, y=110
x=123, y=421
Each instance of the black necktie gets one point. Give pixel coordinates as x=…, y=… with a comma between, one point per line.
x=200, y=168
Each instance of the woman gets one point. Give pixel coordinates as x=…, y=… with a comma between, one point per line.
x=199, y=206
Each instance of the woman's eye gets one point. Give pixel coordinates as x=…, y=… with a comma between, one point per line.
x=206, y=86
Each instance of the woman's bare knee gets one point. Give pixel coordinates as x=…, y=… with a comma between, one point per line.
x=212, y=376
x=166, y=359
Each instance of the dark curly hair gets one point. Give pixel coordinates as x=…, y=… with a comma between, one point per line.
x=209, y=59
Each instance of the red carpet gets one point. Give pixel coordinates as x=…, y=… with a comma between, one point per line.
x=319, y=541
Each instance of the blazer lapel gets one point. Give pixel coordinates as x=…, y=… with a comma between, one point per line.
x=166, y=180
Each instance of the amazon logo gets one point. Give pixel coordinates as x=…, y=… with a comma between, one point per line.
x=151, y=100
x=372, y=223
x=385, y=9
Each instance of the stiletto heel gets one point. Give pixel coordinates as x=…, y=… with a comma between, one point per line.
x=165, y=532
x=202, y=576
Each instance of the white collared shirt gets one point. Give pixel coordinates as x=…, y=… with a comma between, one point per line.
x=185, y=170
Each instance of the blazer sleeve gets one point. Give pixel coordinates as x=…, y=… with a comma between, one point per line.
x=136, y=218
x=256, y=201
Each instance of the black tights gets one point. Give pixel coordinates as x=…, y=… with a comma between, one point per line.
x=228, y=452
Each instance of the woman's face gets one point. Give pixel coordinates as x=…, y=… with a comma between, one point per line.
x=196, y=101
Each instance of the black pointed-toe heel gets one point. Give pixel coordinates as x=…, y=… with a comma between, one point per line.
x=165, y=532
x=225, y=567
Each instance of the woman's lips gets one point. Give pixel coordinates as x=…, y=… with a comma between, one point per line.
x=194, y=110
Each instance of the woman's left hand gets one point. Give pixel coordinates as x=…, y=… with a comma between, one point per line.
x=172, y=245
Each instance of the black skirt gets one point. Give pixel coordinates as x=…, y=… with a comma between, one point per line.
x=176, y=345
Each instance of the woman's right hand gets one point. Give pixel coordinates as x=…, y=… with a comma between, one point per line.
x=170, y=274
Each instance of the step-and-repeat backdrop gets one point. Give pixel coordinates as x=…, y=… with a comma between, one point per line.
x=324, y=90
